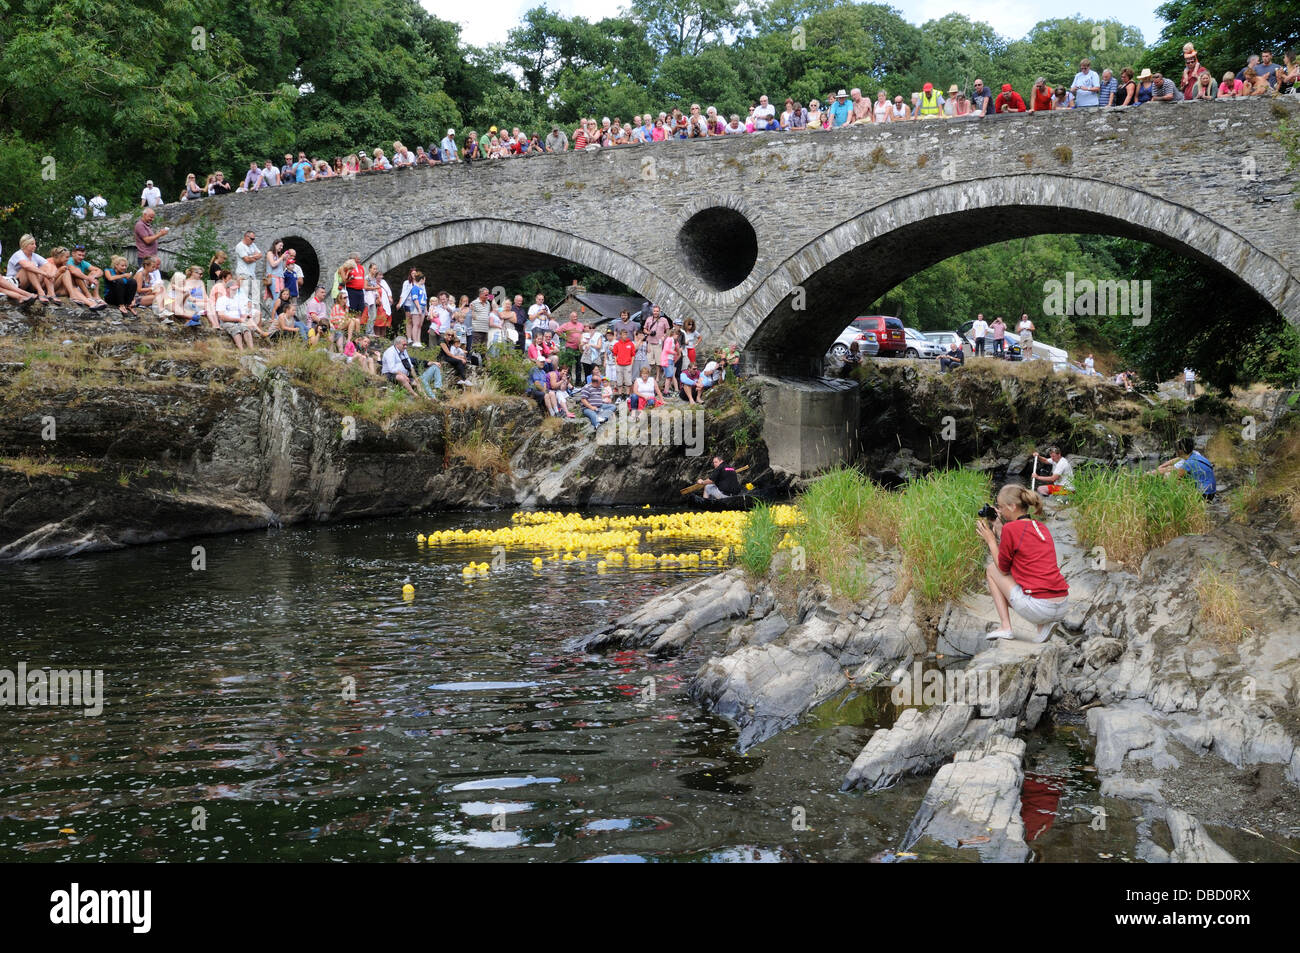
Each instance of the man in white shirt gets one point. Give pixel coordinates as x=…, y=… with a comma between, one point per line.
x=151, y=197
x=1062, y=478
x=24, y=270
x=247, y=255
x=99, y=206
x=440, y=315
x=447, y=148
x=979, y=330
x=539, y=310
x=764, y=111
x=1025, y=329
x=270, y=175
x=397, y=366
x=1086, y=86
x=1189, y=383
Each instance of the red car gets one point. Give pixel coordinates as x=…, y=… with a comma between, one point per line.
x=888, y=332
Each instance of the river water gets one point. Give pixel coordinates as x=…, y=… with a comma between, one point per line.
x=286, y=702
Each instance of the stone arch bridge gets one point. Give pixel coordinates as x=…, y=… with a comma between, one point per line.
x=774, y=242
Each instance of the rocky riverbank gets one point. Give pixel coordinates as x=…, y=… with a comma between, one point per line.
x=113, y=439
x=1190, y=730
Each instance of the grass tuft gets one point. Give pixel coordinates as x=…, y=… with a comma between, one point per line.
x=759, y=538
x=942, y=554
x=1224, y=607
x=1129, y=513
x=480, y=453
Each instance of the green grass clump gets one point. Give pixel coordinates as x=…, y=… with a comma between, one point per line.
x=759, y=537
x=839, y=511
x=931, y=522
x=1129, y=513
x=942, y=554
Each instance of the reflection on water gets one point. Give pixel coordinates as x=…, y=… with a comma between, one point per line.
x=227, y=732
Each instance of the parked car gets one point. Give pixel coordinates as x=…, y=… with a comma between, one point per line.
x=1042, y=352
x=867, y=345
x=918, y=345
x=945, y=339
x=891, y=337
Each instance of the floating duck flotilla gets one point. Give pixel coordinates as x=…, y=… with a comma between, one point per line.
x=612, y=541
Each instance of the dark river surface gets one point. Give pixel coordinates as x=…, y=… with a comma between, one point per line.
x=474, y=733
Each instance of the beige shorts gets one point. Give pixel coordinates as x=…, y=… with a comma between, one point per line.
x=1037, y=611
x=624, y=376
x=652, y=353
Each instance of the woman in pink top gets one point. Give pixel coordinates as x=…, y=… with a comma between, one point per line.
x=1230, y=87
x=668, y=352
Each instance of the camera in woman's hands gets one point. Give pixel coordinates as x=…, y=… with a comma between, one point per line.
x=987, y=512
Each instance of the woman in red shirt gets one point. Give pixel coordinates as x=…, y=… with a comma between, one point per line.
x=1023, y=573
x=355, y=284
x=1042, y=97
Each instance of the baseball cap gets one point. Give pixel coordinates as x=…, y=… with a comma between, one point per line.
x=928, y=87
x=1006, y=87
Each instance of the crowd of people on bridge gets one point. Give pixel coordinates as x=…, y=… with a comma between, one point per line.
x=1088, y=88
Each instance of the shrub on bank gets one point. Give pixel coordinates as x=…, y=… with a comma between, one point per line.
x=509, y=370
x=1129, y=513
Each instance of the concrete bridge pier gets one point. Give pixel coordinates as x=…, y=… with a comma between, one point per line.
x=810, y=425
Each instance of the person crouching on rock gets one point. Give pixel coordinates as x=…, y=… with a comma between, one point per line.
x=722, y=482
x=1023, y=573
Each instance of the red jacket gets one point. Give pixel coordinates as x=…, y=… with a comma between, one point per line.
x=1029, y=555
x=1008, y=102
x=624, y=352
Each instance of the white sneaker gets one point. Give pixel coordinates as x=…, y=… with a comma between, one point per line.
x=416, y=344
x=1044, y=630
x=1000, y=634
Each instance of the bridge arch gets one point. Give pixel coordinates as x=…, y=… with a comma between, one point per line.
x=866, y=256
x=484, y=252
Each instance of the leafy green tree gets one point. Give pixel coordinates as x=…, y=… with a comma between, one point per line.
x=685, y=27
x=1225, y=32
x=1053, y=49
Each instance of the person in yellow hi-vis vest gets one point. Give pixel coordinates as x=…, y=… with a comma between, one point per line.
x=931, y=104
